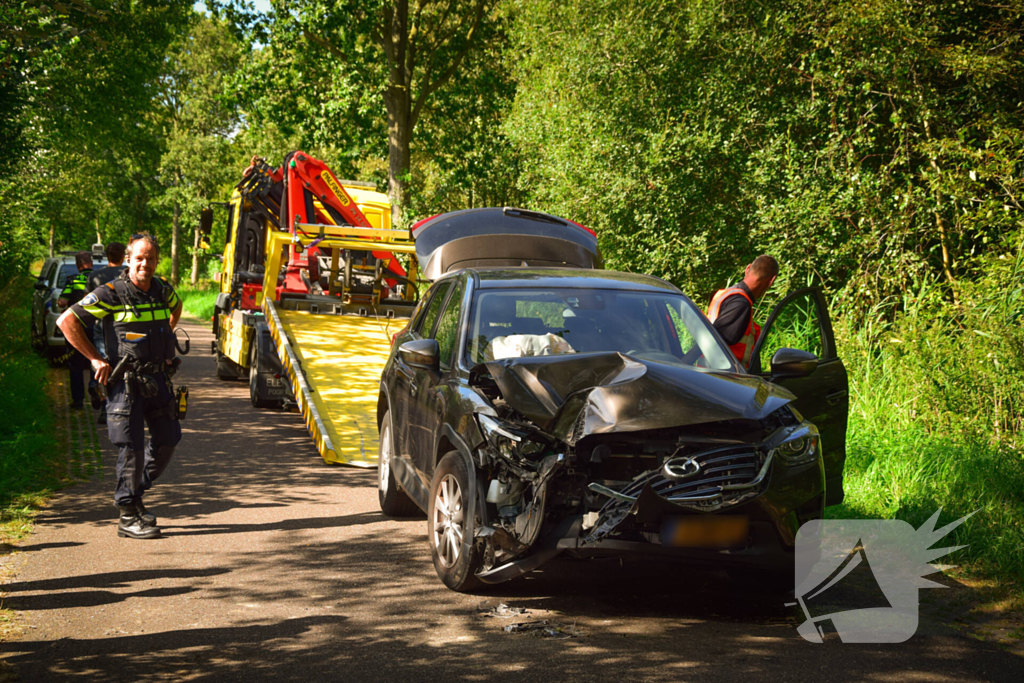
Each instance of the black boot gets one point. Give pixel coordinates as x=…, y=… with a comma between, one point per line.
x=148, y=518
x=132, y=525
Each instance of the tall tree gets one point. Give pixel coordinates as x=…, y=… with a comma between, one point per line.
x=873, y=146
x=83, y=77
x=197, y=121
x=396, y=52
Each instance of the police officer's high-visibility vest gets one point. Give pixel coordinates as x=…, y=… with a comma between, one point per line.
x=745, y=346
x=75, y=288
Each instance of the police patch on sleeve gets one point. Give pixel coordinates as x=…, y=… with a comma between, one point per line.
x=89, y=300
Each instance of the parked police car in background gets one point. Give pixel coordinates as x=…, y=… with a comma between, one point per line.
x=55, y=273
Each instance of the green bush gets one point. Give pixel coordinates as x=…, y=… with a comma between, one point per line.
x=937, y=414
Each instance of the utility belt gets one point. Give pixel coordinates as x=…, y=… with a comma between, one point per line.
x=140, y=378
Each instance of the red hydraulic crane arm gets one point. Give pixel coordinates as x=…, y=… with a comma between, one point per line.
x=308, y=178
x=306, y=181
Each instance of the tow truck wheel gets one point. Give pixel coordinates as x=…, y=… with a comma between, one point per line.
x=227, y=369
x=393, y=501
x=254, y=381
x=451, y=526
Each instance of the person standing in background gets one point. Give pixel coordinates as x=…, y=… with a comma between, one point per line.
x=73, y=291
x=732, y=309
x=113, y=269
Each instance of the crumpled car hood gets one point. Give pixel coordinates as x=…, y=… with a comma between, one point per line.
x=573, y=396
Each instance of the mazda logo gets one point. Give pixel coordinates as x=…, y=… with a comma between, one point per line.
x=681, y=468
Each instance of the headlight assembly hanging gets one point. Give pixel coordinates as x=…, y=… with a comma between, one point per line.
x=507, y=440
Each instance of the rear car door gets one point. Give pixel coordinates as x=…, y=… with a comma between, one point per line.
x=801, y=321
x=429, y=406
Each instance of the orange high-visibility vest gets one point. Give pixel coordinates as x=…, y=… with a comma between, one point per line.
x=745, y=346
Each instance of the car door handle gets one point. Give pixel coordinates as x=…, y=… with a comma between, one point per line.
x=836, y=396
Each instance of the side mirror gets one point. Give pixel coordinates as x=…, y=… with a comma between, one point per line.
x=421, y=353
x=206, y=222
x=41, y=287
x=793, y=363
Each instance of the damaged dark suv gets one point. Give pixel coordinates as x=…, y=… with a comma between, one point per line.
x=532, y=412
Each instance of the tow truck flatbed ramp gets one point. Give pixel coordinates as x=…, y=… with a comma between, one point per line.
x=334, y=364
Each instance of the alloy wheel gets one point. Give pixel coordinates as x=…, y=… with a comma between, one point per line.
x=384, y=459
x=448, y=521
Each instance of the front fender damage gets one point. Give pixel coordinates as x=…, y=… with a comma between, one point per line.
x=572, y=451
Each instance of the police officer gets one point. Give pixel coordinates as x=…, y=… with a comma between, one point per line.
x=139, y=312
x=113, y=269
x=73, y=291
x=98, y=278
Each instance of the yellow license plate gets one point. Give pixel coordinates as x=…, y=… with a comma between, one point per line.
x=717, y=531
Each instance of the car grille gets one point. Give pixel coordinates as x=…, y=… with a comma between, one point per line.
x=719, y=471
x=723, y=477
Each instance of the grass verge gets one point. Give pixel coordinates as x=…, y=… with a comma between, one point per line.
x=925, y=433
x=43, y=446
x=199, y=300
x=33, y=462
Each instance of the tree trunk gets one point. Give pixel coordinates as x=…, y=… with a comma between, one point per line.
x=175, y=239
x=399, y=106
x=195, y=258
x=53, y=238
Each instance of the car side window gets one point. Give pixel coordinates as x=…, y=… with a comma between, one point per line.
x=426, y=324
x=796, y=327
x=447, y=334
x=50, y=275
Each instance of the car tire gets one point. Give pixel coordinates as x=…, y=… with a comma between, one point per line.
x=35, y=339
x=394, y=502
x=451, y=525
x=254, y=394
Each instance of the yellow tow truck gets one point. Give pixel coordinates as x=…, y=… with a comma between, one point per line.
x=311, y=293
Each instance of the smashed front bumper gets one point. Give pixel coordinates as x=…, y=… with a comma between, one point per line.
x=748, y=483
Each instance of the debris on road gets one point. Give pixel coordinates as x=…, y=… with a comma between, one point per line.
x=503, y=611
x=545, y=629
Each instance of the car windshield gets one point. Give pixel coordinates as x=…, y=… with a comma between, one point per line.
x=662, y=327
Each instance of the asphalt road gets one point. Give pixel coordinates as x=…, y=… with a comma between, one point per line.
x=277, y=567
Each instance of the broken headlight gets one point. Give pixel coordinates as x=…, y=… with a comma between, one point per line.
x=800, y=448
x=506, y=439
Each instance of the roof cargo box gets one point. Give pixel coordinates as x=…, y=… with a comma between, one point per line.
x=502, y=238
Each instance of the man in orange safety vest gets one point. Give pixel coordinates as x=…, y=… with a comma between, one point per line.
x=732, y=309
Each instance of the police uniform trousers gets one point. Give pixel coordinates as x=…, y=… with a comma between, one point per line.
x=77, y=365
x=139, y=463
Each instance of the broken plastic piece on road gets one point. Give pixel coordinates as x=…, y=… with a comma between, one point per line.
x=503, y=611
x=544, y=629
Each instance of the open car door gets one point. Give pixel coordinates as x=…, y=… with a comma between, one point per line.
x=801, y=321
